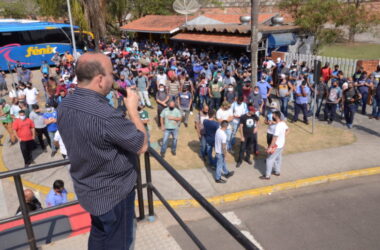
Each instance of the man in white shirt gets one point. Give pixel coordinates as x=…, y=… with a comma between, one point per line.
x=31, y=95
x=225, y=114
x=276, y=147
x=221, y=151
x=162, y=78
x=239, y=108
x=59, y=144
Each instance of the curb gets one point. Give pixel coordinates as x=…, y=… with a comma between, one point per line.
x=241, y=195
x=261, y=191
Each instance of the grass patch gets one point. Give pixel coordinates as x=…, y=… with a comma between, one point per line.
x=352, y=50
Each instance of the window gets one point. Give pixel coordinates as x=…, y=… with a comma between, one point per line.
x=12, y=37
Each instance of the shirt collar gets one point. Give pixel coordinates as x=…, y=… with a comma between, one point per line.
x=89, y=92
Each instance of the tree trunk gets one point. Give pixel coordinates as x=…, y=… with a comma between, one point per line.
x=351, y=35
x=95, y=13
x=255, y=5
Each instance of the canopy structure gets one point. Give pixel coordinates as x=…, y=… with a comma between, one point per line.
x=219, y=39
x=282, y=39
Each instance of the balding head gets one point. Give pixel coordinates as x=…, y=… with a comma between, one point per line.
x=94, y=71
x=29, y=195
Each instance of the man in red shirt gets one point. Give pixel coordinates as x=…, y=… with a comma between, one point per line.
x=24, y=128
x=326, y=72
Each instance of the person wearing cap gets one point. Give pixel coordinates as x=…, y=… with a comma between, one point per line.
x=25, y=132
x=7, y=120
x=225, y=113
x=248, y=128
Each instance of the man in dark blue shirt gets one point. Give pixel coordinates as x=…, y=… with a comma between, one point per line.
x=210, y=126
x=102, y=146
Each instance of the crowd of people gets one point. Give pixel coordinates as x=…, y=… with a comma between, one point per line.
x=182, y=80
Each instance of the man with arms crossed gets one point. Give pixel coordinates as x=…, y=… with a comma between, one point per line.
x=102, y=146
x=276, y=147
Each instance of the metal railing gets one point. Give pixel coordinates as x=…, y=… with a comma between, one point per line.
x=151, y=189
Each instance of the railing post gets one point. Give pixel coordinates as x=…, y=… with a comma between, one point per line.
x=149, y=186
x=25, y=213
x=140, y=197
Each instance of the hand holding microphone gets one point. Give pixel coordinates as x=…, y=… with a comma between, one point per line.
x=132, y=102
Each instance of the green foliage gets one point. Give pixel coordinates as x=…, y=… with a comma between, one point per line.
x=17, y=9
x=312, y=16
x=53, y=8
x=150, y=7
x=356, y=17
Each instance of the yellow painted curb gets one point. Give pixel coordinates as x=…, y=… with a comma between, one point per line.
x=217, y=200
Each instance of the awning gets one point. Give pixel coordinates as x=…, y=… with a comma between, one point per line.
x=282, y=39
x=240, y=41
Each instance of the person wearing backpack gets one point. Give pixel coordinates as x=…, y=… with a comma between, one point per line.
x=351, y=98
x=334, y=96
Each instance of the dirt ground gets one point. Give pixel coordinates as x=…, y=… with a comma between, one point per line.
x=300, y=139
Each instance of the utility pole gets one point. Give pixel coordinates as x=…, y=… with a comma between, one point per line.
x=255, y=5
x=72, y=31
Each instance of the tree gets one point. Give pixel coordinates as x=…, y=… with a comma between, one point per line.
x=357, y=17
x=95, y=12
x=17, y=9
x=312, y=16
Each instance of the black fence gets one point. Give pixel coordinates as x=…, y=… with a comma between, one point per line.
x=151, y=189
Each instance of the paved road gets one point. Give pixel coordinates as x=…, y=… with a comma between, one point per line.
x=338, y=215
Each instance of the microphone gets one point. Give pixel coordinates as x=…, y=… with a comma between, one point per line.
x=122, y=91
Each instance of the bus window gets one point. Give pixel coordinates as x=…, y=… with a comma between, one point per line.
x=9, y=38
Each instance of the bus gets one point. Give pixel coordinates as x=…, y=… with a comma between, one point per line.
x=31, y=42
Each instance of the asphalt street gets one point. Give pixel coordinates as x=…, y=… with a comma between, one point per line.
x=338, y=215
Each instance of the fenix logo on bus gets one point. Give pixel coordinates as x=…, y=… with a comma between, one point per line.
x=36, y=51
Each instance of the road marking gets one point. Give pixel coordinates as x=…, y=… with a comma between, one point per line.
x=232, y=217
x=252, y=239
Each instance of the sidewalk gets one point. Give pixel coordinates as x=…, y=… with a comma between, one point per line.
x=359, y=155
